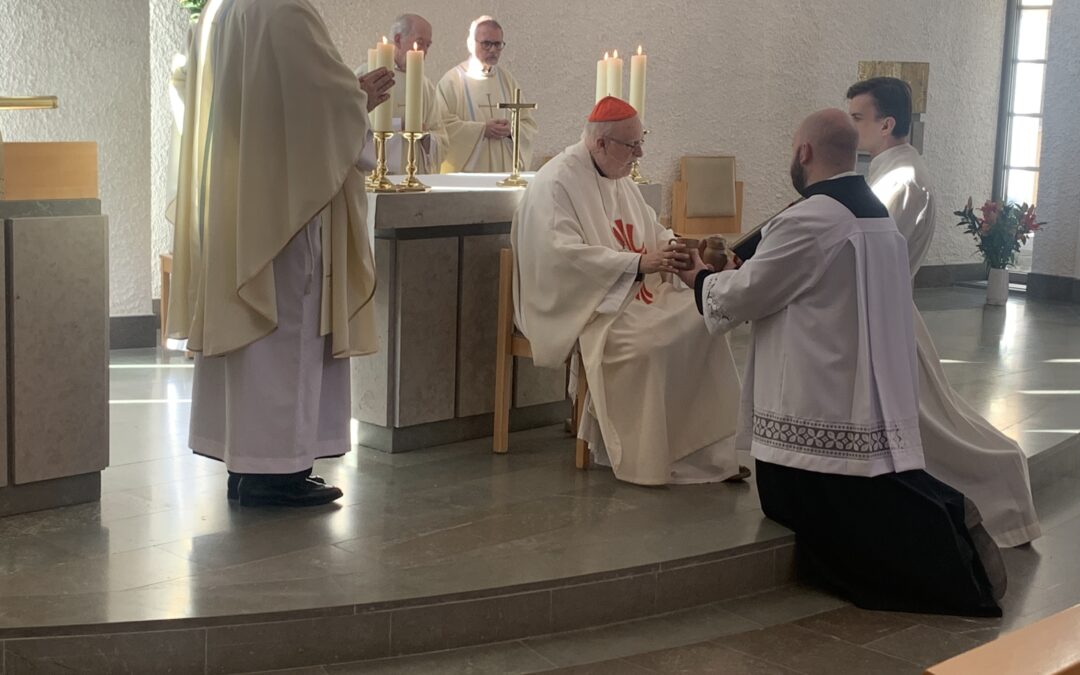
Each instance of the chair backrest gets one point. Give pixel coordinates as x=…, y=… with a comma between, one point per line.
x=707, y=199
x=710, y=186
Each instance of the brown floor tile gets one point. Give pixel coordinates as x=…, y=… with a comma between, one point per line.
x=924, y=646
x=857, y=626
x=811, y=653
x=706, y=658
x=618, y=667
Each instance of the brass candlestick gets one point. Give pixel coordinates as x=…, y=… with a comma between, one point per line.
x=515, y=108
x=411, y=184
x=378, y=182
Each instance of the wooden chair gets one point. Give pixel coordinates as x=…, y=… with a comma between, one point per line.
x=706, y=199
x=166, y=283
x=1050, y=646
x=509, y=344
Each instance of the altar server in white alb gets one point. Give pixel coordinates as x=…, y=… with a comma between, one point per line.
x=408, y=31
x=830, y=409
x=273, y=275
x=961, y=447
x=469, y=94
x=592, y=270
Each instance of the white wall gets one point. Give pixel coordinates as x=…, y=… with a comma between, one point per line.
x=94, y=55
x=168, y=36
x=1057, y=248
x=730, y=76
x=725, y=76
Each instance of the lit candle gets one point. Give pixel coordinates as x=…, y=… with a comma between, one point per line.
x=383, y=116
x=601, y=77
x=614, y=75
x=414, y=89
x=637, y=82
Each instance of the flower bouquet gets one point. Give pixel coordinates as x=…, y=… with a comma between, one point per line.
x=1000, y=233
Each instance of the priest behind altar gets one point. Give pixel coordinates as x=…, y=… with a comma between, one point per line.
x=409, y=30
x=273, y=275
x=592, y=269
x=830, y=409
x=962, y=449
x=469, y=96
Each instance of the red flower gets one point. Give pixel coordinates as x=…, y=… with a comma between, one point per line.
x=990, y=211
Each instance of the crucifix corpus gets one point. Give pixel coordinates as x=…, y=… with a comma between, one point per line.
x=515, y=108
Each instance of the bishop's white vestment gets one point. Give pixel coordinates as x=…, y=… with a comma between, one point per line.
x=962, y=448
x=662, y=393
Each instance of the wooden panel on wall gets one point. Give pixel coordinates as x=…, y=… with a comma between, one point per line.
x=917, y=74
x=50, y=171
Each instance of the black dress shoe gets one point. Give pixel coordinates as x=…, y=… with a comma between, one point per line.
x=743, y=474
x=263, y=491
x=233, y=493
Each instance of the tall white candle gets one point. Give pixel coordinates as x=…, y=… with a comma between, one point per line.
x=614, y=75
x=601, y=77
x=637, y=82
x=414, y=90
x=383, y=116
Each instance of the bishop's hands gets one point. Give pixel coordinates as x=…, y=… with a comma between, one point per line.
x=497, y=128
x=670, y=258
x=376, y=85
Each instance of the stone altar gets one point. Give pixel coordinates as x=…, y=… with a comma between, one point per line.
x=433, y=379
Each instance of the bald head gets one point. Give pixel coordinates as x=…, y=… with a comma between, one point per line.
x=824, y=145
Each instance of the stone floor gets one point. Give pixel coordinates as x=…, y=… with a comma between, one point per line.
x=164, y=543
x=795, y=629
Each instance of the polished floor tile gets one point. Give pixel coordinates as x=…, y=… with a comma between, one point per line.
x=163, y=542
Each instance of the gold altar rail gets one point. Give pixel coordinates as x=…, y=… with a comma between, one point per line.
x=29, y=102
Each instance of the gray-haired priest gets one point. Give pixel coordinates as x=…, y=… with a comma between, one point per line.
x=593, y=270
x=409, y=30
x=830, y=408
x=469, y=96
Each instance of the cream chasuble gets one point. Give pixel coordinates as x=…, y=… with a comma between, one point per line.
x=273, y=125
x=397, y=151
x=962, y=448
x=662, y=390
x=830, y=382
x=468, y=98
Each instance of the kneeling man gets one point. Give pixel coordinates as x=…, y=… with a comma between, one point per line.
x=830, y=398
x=593, y=268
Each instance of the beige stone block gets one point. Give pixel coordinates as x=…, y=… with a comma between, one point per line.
x=59, y=346
x=477, y=333
x=534, y=386
x=426, y=276
x=3, y=368
x=371, y=394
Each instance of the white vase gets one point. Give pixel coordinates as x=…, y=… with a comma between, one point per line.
x=997, y=287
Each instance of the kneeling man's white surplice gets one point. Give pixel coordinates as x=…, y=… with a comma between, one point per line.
x=663, y=393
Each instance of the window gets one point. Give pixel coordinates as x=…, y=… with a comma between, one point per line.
x=1020, y=118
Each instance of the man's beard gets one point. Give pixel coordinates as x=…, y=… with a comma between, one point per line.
x=798, y=175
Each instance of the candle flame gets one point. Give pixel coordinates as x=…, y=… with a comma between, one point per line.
x=616, y=55
x=639, y=50
x=607, y=55
x=384, y=40
x=415, y=47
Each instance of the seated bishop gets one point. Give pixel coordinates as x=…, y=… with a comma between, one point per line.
x=594, y=272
